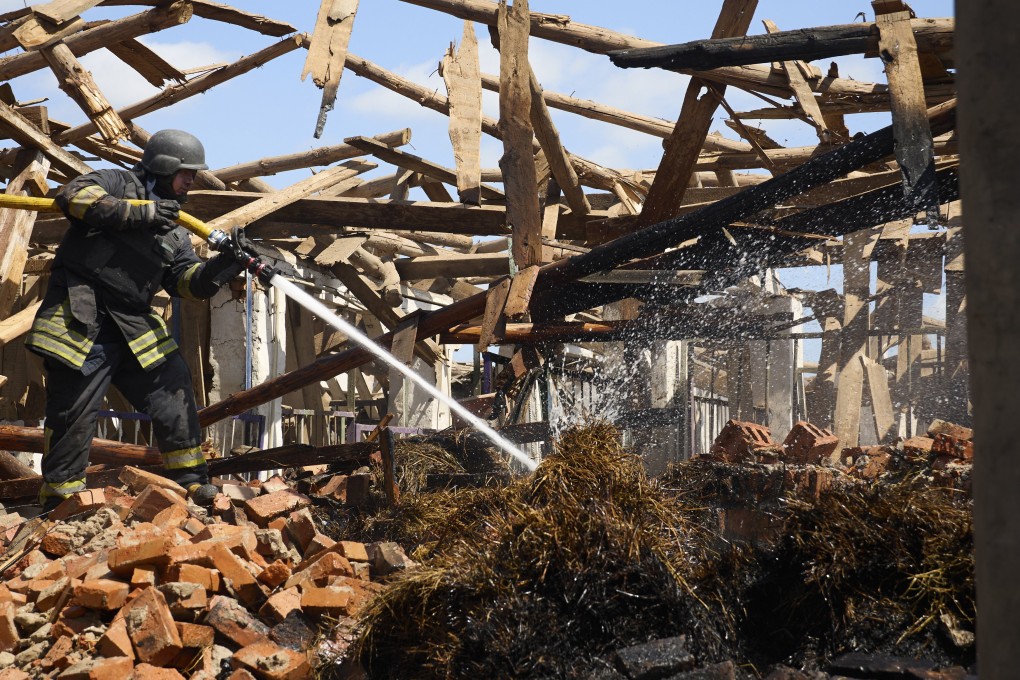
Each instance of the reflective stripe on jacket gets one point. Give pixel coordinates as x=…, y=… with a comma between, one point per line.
x=106, y=267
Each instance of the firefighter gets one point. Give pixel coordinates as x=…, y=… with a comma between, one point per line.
x=96, y=326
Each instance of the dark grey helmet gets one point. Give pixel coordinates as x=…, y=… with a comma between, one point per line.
x=171, y=150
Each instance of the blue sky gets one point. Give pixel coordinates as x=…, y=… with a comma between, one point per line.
x=271, y=111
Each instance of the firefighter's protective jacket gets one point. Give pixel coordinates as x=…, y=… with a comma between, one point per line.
x=104, y=269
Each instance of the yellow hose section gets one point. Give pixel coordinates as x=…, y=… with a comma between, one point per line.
x=189, y=222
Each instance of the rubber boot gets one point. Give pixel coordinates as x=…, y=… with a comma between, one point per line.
x=202, y=495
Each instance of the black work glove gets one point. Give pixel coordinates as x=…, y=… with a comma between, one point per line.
x=160, y=216
x=239, y=247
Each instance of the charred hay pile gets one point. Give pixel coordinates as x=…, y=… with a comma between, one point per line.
x=559, y=574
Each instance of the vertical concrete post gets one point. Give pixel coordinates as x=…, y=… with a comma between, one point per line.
x=988, y=46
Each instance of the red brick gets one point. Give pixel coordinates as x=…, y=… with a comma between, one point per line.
x=234, y=622
x=320, y=570
x=144, y=671
x=221, y=504
x=808, y=444
x=184, y=599
x=319, y=543
x=363, y=591
x=154, y=500
x=74, y=620
x=86, y=501
x=101, y=594
x=354, y=551
x=144, y=576
x=387, y=557
x=274, y=574
x=55, y=595
x=741, y=441
x=239, y=492
x=948, y=445
x=327, y=601
x=274, y=484
x=195, y=636
x=193, y=573
x=116, y=641
x=137, y=480
x=301, y=528
x=56, y=657
x=153, y=550
x=231, y=567
x=173, y=517
x=99, y=669
x=152, y=629
x=917, y=447
x=335, y=486
x=264, y=509
x=228, y=534
x=9, y=637
x=280, y=604
x=193, y=526
x=241, y=674
x=269, y=661
x=11, y=673
x=57, y=542
x=953, y=430
x=876, y=464
x=192, y=553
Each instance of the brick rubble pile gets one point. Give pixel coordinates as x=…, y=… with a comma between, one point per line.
x=134, y=581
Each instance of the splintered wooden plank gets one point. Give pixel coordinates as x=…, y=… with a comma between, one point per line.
x=146, y=63
x=16, y=325
x=461, y=74
x=62, y=11
x=914, y=146
x=78, y=84
x=328, y=51
x=518, y=300
x=684, y=145
x=416, y=163
x=33, y=33
x=559, y=161
x=801, y=90
x=16, y=226
x=452, y=265
x=517, y=162
x=24, y=133
x=494, y=320
x=881, y=401
x=269, y=204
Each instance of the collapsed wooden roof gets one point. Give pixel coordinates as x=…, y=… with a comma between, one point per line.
x=576, y=234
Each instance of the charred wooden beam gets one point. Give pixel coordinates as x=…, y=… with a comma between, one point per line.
x=805, y=44
x=815, y=172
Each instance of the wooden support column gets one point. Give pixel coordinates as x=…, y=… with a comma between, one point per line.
x=517, y=162
x=986, y=48
x=914, y=147
x=822, y=402
x=957, y=373
x=327, y=52
x=461, y=74
x=684, y=145
x=854, y=340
